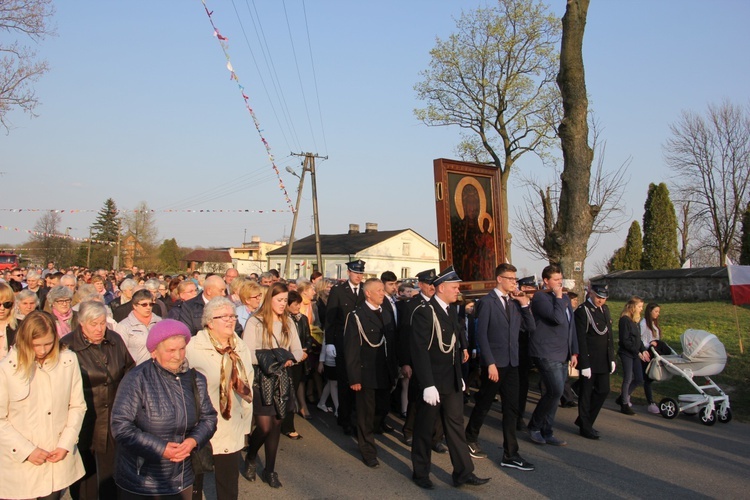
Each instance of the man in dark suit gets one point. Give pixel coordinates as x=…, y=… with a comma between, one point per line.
x=426, y=291
x=552, y=346
x=342, y=300
x=436, y=358
x=596, y=359
x=191, y=311
x=528, y=286
x=500, y=315
x=371, y=366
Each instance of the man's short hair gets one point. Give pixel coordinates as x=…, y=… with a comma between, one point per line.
x=369, y=283
x=505, y=267
x=548, y=271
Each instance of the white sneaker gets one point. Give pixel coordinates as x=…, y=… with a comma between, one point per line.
x=652, y=408
x=323, y=408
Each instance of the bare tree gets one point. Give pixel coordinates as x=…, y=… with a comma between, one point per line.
x=141, y=226
x=566, y=241
x=19, y=69
x=710, y=155
x=495, y=78
x=50, y=241
x=536, y=218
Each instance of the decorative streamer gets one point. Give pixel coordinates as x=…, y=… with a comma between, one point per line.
x=225, y=48
x=190, y=211
x=55, y=235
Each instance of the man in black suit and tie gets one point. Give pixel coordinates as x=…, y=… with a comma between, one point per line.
x=436, y=356
x=342, y=300
x=552, y=346
x=596, y=360
x=500, y=315
x=370, y=356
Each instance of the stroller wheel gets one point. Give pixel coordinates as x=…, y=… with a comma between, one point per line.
x=708, y=416
x=726, y=417
x=669, y=408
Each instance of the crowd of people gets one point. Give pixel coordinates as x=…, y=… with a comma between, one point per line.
x=134, y=384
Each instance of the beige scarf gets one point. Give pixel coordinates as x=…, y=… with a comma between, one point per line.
x=237, y=380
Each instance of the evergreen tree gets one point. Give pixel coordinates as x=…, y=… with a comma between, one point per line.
x=745, y=248
x=659, y=230
x=105, y=229
x=628, y=257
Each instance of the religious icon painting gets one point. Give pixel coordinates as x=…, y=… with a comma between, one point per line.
x=470, y=233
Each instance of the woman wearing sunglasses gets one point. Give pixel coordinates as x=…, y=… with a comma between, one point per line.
x=135, y=327
x=7, y=320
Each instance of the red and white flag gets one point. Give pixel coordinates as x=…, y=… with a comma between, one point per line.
x=739, y=284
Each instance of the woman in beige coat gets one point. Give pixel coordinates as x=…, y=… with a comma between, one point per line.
x=218, y=353
x=41, y=413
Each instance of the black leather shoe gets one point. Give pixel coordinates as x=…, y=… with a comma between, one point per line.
x=408, y=440
x=472, y=481
x=440, y=448
x=423, y=482
x=248, y=469
x=627, y=410
x=373, y=464
x=618, y=401
x=588, y=435
x=521, y=426
x=569, y=404
x=386, y=428
x=272, y=478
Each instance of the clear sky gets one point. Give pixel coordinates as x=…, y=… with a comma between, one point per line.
x=138, y=106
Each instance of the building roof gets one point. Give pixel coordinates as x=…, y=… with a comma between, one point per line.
x=208, y=256
x=696, y=272
x=339, y=244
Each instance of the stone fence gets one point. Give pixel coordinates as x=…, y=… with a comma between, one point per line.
x=669, y=285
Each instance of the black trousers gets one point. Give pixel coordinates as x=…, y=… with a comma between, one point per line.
x=98, y=480
x=593, y=393
x=226, y=475
x=508, y=386
x=450, y=410
x=346, y=394
x=415, y=396
x=372, y=407
x=524, y=368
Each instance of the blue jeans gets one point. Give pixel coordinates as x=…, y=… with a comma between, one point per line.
x=553, y=375
x=632, y=376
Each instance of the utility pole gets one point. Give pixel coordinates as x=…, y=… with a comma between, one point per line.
x=309, y=165
x=296, y=214
x=88, y=255
x=116, y=260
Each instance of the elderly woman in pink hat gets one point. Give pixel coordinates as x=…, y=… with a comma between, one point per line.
x=161, y=413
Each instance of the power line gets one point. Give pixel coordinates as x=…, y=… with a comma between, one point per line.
x=315, y=78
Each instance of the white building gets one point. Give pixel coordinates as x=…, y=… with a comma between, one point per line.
x=402, y=251
x=252, y=256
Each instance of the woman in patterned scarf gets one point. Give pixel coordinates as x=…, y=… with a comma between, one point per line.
x=219, y=354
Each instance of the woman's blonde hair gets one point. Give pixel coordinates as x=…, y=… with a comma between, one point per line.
x=630, y=309
x=7, y=295
x=36, y=325
x=249, y=289
x=267, y=317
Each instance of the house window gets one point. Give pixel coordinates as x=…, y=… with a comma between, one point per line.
x=404, y=273
x=406, y=249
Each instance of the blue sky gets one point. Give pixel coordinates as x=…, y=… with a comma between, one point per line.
x=138, y=106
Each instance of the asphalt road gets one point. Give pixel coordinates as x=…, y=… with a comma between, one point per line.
x=644, y=456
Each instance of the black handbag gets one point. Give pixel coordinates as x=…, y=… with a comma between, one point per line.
x=202, y=459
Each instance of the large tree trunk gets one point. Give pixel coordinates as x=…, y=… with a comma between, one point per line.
x=566, y=244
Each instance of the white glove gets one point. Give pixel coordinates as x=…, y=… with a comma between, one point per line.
x=431, y=396
x=613, y=368
x=330, y=351
x=586, y=372
x=463, y=386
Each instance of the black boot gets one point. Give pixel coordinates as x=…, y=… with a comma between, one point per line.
x=248, y=469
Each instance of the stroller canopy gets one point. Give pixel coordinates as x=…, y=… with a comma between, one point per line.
x=700, y=345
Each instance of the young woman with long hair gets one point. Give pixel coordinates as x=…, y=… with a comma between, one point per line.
x=631, y=351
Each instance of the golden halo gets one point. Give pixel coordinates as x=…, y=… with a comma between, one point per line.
x=458, y=198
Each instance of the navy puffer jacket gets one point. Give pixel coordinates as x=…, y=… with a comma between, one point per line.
x=154, y=406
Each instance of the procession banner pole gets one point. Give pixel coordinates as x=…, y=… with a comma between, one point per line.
x=739, y=334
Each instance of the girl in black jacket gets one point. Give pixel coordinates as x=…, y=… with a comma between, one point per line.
x=631, y=352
